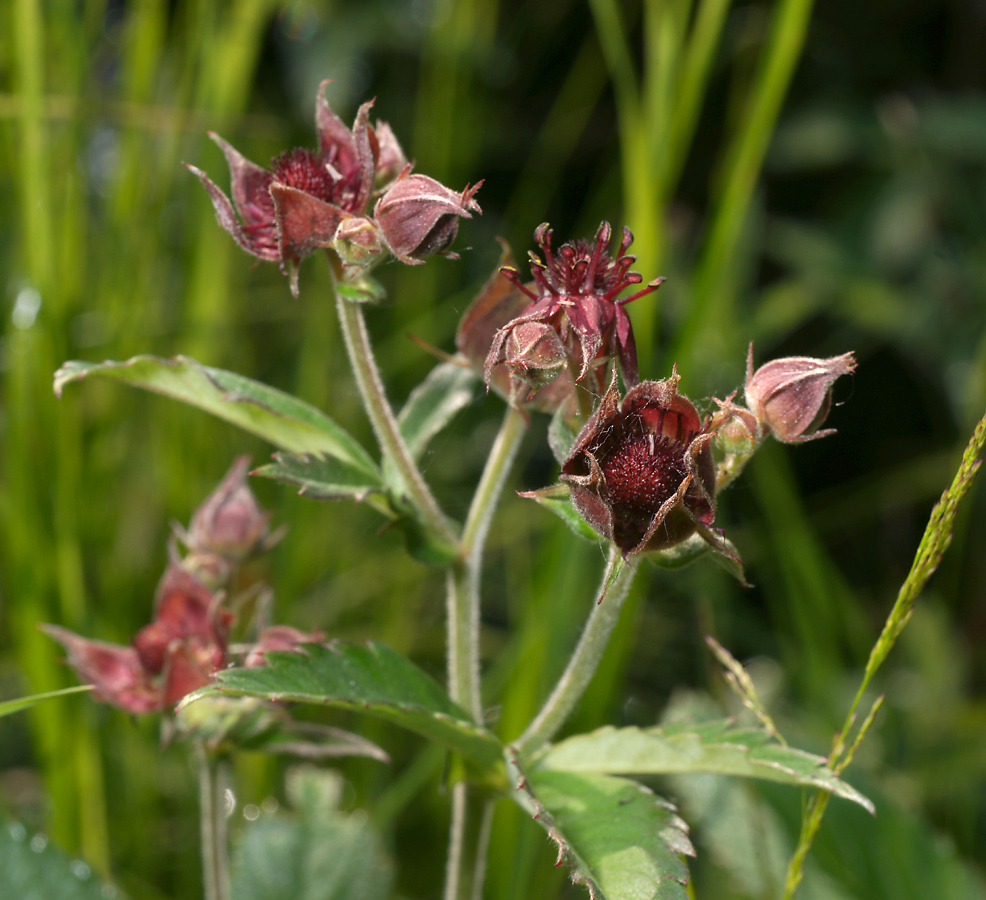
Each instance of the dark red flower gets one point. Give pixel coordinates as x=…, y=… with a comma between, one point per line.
x=284, y=213
x=177, y=653
x=498, y=302
x=576, y=293
x=641, y=472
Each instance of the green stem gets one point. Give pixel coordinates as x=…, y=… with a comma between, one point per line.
x=215, y=858
x=383, y=421
x=585, y=660
x=463, y=639
x=464, y=576
x=456, y=841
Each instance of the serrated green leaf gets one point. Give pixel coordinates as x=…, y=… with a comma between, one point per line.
x=322, y=477
x=11, y=706
x=557, y=499
x=369, y=677
x=285, y=421
x=710, y=747
x=622, y=841
x=31, y=868
x=318, y=853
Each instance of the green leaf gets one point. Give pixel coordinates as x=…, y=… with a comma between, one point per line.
x=430, y=407
x=715, y=748
x=557, y=498
x=12, y=706
x=622, y=841
x=434, y=403
x=31, y=868
x=319, y=853
x=561, y=438
x=368, y=677
x=285, y=421
x=323, y=478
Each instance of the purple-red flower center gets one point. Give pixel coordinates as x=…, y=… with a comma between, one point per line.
x=643, y=466
x=304, y=170
x=584, y=267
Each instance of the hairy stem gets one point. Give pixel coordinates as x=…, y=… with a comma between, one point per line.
x=463, y=639
x=212, y=812
x=383, y=421
x=464, y=576
x=585, y=660
x=455, y=863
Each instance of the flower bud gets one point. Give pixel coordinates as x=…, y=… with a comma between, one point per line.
x=736, y=428
x=792, y=396
x=358, y=242
x=535, y=354
x=420, y=216
x=229, y=522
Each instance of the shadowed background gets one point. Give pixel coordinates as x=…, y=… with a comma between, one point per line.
x=811, y=180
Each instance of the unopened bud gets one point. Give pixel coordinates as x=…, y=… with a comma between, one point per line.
x=534, y=354
x=420, y=216
x=736, y=428
x=358, y=242
x=230, y=523
x=792, y=396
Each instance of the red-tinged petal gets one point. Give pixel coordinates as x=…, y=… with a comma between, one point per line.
x=335, y=139
x=281, y=638
x=188, y=668
x=366, y=158
x=304, y=223
x=391, y=160
x=627, y=348
x=259, y=242
x=249, y=183
x=114, y=671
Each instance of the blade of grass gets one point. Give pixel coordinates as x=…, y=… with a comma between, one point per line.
x=934, y=542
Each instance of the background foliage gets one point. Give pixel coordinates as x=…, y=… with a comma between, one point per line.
x=864, y=229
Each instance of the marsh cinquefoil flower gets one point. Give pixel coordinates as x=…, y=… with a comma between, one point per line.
x=310, y=199
x=641, y=472
x=575, y=292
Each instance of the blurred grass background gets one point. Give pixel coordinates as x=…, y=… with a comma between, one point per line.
x=813, y=180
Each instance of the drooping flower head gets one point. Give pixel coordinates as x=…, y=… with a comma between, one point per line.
x=641, y=472
x=576, y=292
x=311, y=199
x=188, y=638
x=530, y=355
